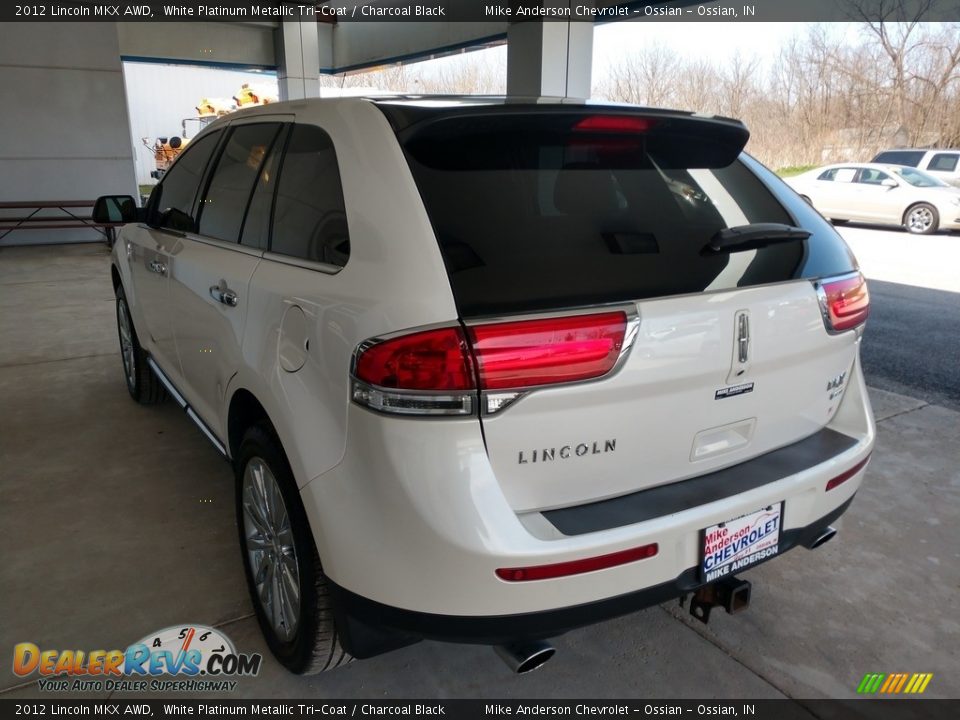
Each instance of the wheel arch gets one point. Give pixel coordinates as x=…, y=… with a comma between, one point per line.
x=915, y=203
x=115, y=277
x=244, y=412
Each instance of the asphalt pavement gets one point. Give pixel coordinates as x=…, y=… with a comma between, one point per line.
x=912, y=341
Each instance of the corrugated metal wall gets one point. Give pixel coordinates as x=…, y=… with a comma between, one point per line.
x=160, y=96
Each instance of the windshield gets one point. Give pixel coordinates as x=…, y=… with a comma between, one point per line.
x=918, y=178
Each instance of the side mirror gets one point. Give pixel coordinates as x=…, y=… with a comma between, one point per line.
x=889, y=183
x=114, y=209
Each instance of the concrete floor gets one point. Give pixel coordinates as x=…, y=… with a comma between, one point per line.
x=117, y=520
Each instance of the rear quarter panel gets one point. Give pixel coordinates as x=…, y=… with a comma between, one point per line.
x=394, y=279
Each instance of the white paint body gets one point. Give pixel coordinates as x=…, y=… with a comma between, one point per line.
x=418, y=513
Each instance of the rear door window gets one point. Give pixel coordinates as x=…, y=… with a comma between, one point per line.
x=232, y=183
x=871, y=176
x=309, y=220
x=545, y=216
x=839, y=175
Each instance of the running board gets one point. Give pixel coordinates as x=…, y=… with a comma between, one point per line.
x=182, y=402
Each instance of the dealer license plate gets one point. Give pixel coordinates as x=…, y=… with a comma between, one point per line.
x=731, y=546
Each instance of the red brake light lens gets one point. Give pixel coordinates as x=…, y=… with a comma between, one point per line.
x=429, y=360
x=846, y=302
x=576, y=567
x=526, y=353
x=615, y=123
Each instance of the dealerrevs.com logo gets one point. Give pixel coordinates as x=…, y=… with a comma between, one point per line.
x=182, y=658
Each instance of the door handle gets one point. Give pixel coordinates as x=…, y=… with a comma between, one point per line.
x=158, y=267
x=223, y=294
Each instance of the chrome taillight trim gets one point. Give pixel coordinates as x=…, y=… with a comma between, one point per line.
x=415, y=403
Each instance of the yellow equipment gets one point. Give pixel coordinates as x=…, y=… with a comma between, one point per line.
x=166, y=149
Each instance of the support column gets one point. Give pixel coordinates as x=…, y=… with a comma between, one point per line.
x=550, y=58
x=298, y=60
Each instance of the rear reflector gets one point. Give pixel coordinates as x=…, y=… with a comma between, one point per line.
x=843, y=477
x=615, y=123
x=576, y=567
x=522, y=354
x=844, y=302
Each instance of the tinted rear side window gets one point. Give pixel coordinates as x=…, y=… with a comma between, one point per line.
x=910, y=158
x=532, y=220
x=309, y=219
x=230, y=187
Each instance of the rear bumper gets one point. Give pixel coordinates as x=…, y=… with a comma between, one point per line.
x=369, y=627
x=412, y=525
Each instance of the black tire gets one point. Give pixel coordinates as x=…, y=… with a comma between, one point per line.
x=921, y=219
x=142, y=384
x=314, y=646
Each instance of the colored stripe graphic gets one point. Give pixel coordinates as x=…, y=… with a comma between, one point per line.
x=894, y=683
x=870, y=683
x=903, y=680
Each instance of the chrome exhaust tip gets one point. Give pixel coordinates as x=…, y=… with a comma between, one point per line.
x=526, y=655
x=823, y=538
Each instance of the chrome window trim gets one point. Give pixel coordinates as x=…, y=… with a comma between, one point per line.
x=325, y=268
x=224, y=244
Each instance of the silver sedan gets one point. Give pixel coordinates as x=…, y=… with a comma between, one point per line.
x=885, y=194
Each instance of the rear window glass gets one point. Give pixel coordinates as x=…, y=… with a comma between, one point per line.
x=530, y=220
x=911, y=158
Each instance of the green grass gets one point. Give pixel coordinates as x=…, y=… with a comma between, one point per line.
x=146, y=189
x=792, y=170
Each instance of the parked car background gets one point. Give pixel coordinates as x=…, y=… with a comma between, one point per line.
x=884, y=194
x=944, y=164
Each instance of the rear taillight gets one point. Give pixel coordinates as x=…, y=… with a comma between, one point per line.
x=844, y=302
x=423, y=373
x=517, y=355
x=442, y=371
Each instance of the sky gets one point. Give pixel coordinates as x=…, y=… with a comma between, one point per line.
x=710, y=40
x=714, y=41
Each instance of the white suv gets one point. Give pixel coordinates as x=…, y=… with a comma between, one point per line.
x=488, y=370
x=941, y=163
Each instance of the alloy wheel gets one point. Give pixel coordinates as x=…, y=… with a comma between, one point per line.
x=919, y=219
x=127, y=350
x=270, y=548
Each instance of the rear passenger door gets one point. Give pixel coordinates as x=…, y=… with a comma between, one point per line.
x=212, y=270
x=835, y=196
